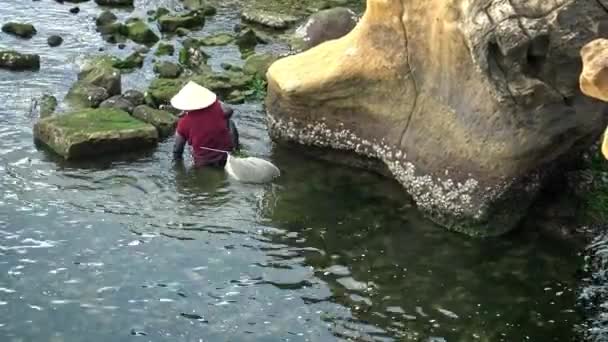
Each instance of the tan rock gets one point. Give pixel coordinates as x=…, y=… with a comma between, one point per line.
x=467, y=103
x=594, y=77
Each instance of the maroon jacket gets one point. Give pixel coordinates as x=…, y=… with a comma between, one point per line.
x=204, y=128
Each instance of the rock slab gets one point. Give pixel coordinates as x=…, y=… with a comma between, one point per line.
x=94, y=132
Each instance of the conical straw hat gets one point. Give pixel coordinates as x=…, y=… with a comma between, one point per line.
x=193, y=97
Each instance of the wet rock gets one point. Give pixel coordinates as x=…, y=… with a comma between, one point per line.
x=115, y=3
x=390, y=91
x=164, y=121
x=75, y=10
x=201, y=6
x=161, y=90
x=165, y=49
x=193, y=58
x=170, y=23
x=217, y=39
x=323, y=26
x=139, y=32
x=97, y=81
x=13, y=60
x=94, y=132
x=258, y=65
x=268, y=19
x=105, y=18
x=160, y=12
x=224, y=83
x=48, y=104
x=19, y=29
x=54, y=41
x=167, y=70
x=133, y=61
x=118, y=102
x=134, y=96
x=182, y=32
x=231, y=67
x=247, y=40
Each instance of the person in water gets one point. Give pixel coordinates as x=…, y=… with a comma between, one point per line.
x=205, y=123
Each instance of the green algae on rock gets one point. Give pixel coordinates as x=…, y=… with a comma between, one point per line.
x=217, y=39
x=164, y=49
x=97, y=81
x=19, y=29
x=164, y=121
x=170, y=23
x=167, y=69
x=161, y=90
x=105, y=18
x=258, y=64
x=133, y=61
x=48, y=104
x=13, y=60
x=201, y=6
x=94, y=132
x=139, y=32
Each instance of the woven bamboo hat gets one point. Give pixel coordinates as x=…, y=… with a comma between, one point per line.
x=192, y=97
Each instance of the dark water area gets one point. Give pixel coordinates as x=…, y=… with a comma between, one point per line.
x=137, y=248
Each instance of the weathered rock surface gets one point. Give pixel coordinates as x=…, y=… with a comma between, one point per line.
x=19, y=29
x=170, y=23
x=13, y=60
x=134, y=96
x=94, y=132
x=48, y=104
x=139, y=32
x=268, y=19
x=468, y=104
x=118, y=102
x=323, y=26
x=164, y=121
x=97, y=81
x=167, y=70
x=164, y=49
x=258, y=65
x=217, y=39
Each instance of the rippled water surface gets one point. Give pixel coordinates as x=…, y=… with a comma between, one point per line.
x=136, y=247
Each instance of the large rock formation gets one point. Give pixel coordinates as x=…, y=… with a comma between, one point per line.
x=469, y=104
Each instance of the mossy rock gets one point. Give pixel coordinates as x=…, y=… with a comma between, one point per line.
x=105, y=18
x=13, y=60
x=224, y=83
x=168, y=70
x=19, y=29
x=118, y=102
x=112, y=28
x=182, y=32
x=258, y=65
x=85, y=95
x=133, y=61
x=48, y=104
x=165, y=49
x=100, y=71
x=247, y=40
x=94, y=132
x=217, y=39
x=194, y=59
x=161, y=90
x=139, y=32
x=170, y=23
x=201, y=6
x=164, y=121
x=268, y=19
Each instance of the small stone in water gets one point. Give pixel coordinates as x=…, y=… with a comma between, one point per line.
x=74, y=10
x=54, y=41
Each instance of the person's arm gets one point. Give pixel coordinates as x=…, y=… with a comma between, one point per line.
x=228, y=111
x=178, y=146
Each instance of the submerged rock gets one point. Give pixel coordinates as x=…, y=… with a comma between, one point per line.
x=48, y=104
x=94, y=132
x=324, y=25
x=164, y=121
x=167, y=70
x=170, y=23
x=470, y=105
x=13, y=60
x=54, y=41
x=115, y=3
x=268, y=19
x=139, y=32
x=247, y=40
x=19, y=29
x=258, y=65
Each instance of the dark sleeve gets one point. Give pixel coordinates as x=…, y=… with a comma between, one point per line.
x=228, y=111
x=178, y=146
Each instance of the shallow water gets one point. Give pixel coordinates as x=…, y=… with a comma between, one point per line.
x=136, y=247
